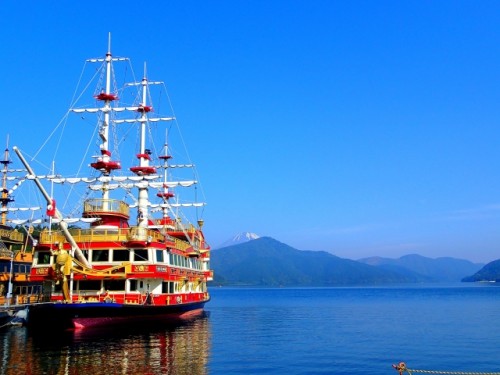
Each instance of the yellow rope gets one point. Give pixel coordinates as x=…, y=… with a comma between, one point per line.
x=401, y=367
x=452, y=372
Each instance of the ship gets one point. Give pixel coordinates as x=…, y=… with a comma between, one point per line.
x=126, y=252
x=17, y=291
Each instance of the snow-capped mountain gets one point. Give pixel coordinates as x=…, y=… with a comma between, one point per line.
x=239, y=238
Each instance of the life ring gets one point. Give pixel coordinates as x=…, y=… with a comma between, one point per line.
x=179, y=299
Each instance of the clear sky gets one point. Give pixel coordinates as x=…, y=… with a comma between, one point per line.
x=361, y=128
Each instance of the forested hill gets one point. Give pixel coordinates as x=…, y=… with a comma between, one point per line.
x=490, y=272
x=267, y=262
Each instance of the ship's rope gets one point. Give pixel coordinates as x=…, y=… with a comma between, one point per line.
x=401, y=368
x=194, y=169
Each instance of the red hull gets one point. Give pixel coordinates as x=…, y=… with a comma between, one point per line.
x=75, y=316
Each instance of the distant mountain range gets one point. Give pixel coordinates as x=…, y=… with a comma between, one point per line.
x=426, y=269
x=267, y=262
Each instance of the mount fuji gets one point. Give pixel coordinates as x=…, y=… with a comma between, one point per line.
x=238, y=239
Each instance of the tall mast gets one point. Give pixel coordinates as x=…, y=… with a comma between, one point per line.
x=6, y=199
x=165, y=194
x=104, y=162
x=144, y=156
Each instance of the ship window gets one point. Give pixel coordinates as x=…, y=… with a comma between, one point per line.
x=89, y=285
x=114, y=285
x=121, y=255
x=141, y=255
x=43, y=257
x=164, y=287
x=133, y=285
x=20, y=268
x=159, y=256
x=100, y=255
x=171, y=288
x=21, y=290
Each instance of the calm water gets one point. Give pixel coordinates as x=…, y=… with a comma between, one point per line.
x=287, y=331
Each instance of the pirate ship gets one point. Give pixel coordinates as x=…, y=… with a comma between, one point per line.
x=126, y=252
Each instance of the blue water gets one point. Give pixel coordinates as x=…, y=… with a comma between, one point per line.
x=287, y=331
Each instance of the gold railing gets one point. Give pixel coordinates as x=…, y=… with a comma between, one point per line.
x=110, y=206
x=51, y=237
x=181, y=245
x=144, y=234
x=103, y=234
x=12, y=235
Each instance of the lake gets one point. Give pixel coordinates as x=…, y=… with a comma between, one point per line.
x=287, y=331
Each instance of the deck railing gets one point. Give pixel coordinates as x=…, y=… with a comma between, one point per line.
x=96, y=206
x=104, y=234
x=11, y=234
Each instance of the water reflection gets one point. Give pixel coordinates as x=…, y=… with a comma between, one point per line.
x=182, y=349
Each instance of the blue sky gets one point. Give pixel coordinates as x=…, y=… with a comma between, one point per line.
x=357, y=127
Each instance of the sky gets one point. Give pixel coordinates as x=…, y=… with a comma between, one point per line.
x=361, y=128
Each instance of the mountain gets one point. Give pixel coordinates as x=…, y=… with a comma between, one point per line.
x=427, y=269
x=268, y=262
x=239, y=238
x=490, y=272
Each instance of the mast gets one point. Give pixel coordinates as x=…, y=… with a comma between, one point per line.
x=165, y=194
x=144, y=156
x=5, y=199
x=104, y=163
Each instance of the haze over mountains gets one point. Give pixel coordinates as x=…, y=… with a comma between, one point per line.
x=250, y=260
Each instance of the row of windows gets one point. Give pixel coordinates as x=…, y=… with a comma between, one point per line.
x=135, y=286
x=23, y=290
x=18, y=268
x=136, y=255
x=28, y=290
